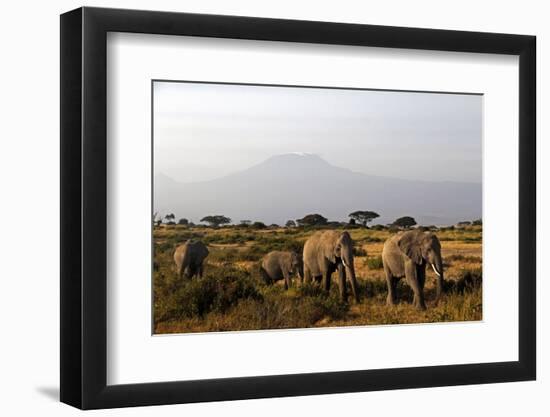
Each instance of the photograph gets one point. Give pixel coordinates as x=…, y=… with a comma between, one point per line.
x=293, y=207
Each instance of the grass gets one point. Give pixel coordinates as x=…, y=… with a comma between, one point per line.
x=231, y=296
x=375, y=263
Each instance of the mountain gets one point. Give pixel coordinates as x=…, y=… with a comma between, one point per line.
x=290, y=186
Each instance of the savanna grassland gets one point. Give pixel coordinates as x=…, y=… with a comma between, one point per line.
x=230, y=296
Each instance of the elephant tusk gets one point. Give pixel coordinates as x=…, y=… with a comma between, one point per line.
x=435, y=270
x=344, y=262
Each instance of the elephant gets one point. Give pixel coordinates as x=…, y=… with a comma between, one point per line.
x=326, y=252
x=189, y=258
x=406, y=255
x=278, y=265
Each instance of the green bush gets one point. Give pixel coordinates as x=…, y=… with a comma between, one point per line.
x=471, y=239
x=375, y=263
x=229, y=238
x=359, y=251
x=265, y=244
x=466, y=281
x=378, y=227
x=212, y=293
x=465, y=258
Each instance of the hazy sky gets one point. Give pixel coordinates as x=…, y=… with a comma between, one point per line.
x=205, y=131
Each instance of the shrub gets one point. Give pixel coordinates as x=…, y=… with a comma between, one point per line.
x=467, y=281
x=212, y=293
x=229, y=238
x=378, y=227
x=253, y=253
x=471, y=239
x=312, y=220
x=465, y=258
x=375, y=263
x=372, y=288
x=359, y=251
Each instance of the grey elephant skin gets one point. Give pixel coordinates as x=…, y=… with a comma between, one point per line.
x=406, y=255
x=278, y=265
x=326, y=252
x=189, y=259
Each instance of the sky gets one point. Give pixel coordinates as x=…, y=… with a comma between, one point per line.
x=206, y=131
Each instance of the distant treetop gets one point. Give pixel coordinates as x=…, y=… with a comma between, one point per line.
x=216, y=220
x=290, y=223
x=405, y=222
x=312, y=220
x=363, y=217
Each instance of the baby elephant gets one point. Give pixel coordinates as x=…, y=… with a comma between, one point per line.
x=189, y=258
x=278, y=265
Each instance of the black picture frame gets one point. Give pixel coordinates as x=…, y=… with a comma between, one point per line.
x=84, y=207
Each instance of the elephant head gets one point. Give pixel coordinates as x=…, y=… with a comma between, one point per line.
x=423, y=248
x=296, y=265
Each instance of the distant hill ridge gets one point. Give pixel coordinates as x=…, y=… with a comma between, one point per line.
x=289, y=186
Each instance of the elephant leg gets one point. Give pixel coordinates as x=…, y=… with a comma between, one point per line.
x=200, y=270
x=354, y=289
x=326, y=280
x=342, y=282
x=307, y=275
x=421, y=274
x=391, y=283
x=412, y=279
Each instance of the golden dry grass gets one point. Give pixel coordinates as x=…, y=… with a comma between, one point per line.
x=239, y=301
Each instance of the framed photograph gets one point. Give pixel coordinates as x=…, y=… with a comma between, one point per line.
x=257, y=208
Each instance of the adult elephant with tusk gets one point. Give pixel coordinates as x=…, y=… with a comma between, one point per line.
x=406, y=255
x=326, y=252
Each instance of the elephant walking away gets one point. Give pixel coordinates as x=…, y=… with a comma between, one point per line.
x=278, y=265
x=406, y=255
x=326, y=252
x=189, y=258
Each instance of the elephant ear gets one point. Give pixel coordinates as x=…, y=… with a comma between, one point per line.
x=410, y=245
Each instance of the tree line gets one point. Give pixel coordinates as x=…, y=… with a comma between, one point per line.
x=359, y=217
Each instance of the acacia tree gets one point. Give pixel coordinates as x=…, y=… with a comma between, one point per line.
x=216, y=220
x=363, y=217
x=183, y=222
x=290, y=223
x=405, y=222
x=170, y=218
x=245, y=223
x=312, y=220
x=258, y=225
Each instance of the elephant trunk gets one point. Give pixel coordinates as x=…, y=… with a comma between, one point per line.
x=350, y=271
x=438, y=269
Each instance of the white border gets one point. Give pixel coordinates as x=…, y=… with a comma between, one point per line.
x=134, y=356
